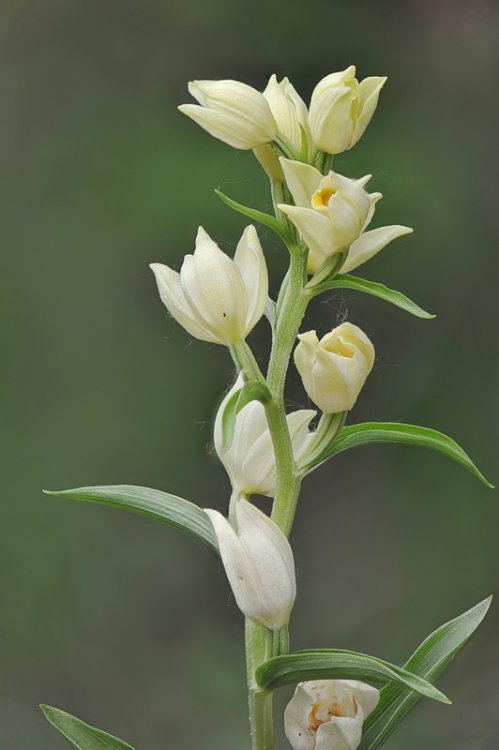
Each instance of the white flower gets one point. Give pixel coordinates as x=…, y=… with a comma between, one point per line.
x=332, y=212
x=232, y=111
x=341, y=109
x=289, y=110
x=334, y=369
x=215, y=298
x=250, y=461
x=328, y=714
x=259, y=564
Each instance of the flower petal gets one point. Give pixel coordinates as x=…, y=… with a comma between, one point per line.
x=250, y=261
x=172, y=296
x=341, y=733
x=237, y=563
x=370, y=243
x=333, y=79
x=272, y=558
x=365, y=695
x=301, y=179
x=225, y=127
x=298, y=425
x=214, y=288
x=316, y=231
x=369, y=91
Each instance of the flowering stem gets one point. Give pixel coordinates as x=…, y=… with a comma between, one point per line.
x=291, y=311
x=288, y=481
x=258, y=649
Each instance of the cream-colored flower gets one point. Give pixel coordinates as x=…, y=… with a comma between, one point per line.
x=231, y=111
x=250, y=460
x=341, y=109
x=332, y=213
x=334, y=369
x=259, y=564
x=289, y=110
x=215, y=298
x=328, y=714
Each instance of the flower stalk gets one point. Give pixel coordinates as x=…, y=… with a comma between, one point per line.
x=323, y=218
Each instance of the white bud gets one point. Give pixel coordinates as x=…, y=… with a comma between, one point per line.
x=334, y=369
x=341, y=109
x=250, y=460
x=332, y=212
x=289, y=110
x=259, y=564
x=215, y=298
x=231, y=111
x=328, y=714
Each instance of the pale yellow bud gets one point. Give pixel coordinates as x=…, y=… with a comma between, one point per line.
x=334, y=369
x=231, y=111
x=215, y=298
x=259, y=564
x=289, y=110
x=341, y=109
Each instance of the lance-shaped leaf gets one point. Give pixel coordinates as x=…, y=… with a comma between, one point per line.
x=428, y=661
x=253, y=390
x=331, y=664
x=346, y=281
x=148, y=502
x=262, y=218
x=370, y=433
x=82, y=736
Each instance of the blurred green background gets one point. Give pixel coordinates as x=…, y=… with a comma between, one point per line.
x=127, y=623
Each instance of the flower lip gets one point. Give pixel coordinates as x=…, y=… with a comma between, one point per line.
x=322, y=197
x=339, y=347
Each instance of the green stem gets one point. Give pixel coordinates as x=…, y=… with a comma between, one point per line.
x=258, y=649
x=245, y=362
x=291, y=312
x=288, y=480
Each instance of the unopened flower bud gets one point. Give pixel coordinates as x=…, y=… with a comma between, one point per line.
x=328, y=714
x=334, y=369
x=259, y=564
x=215, y=298
x=231, y=111
x=250, y=460
x=289, y=110
x=341, y=109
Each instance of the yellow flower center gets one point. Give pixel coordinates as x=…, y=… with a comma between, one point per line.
x=334, y=709
x=321, y=197
x=338, y=347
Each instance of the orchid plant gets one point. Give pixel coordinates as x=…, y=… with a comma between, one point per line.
x=343, y=700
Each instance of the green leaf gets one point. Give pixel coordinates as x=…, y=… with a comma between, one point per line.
x=82, y=736
x=330, y=664
x=428, y=661
x=252, y=390
x=370, y=433
x=262, y=218
x=147, y=502
x=345, y=281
